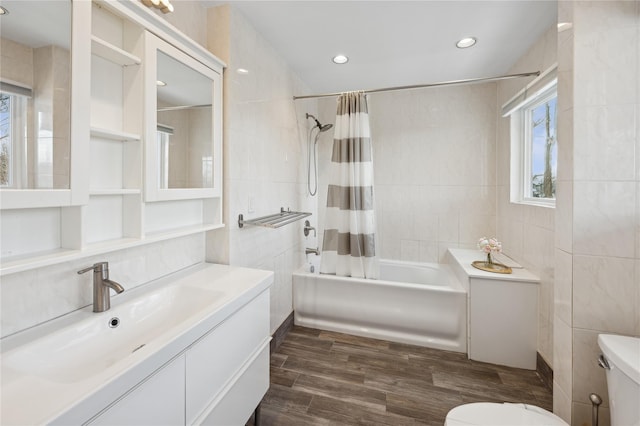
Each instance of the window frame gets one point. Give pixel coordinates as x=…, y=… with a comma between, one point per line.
x=521, y=144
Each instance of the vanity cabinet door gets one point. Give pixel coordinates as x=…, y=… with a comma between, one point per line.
x=159, y=400
x=220, y=359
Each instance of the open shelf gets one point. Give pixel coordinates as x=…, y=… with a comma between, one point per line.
x=112, y=53
x=98, y=132
x=113, y=191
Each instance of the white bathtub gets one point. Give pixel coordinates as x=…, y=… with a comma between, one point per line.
x=418, y=303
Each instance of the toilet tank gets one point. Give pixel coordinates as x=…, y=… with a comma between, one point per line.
x=622, y=359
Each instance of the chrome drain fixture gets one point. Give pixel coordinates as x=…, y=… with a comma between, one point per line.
x=114, y=322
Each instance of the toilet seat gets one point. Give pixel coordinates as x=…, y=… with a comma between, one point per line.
x=501, y=414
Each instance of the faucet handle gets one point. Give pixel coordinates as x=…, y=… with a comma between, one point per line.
x=97, y=267
x=307, y=228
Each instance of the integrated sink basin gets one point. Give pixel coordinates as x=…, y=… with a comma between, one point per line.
x=67, y=370
x=80, y=350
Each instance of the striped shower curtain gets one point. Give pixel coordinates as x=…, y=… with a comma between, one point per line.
x=349, y=247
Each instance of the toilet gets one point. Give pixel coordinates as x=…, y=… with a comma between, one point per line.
x=621, y=359
x=501, y=414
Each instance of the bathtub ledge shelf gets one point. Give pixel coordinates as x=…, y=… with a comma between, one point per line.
x=273, y=220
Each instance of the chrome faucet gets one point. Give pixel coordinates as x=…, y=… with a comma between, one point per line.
x=312, y=250
x=101, y=286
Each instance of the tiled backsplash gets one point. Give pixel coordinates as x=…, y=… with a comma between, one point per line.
x=32, y=297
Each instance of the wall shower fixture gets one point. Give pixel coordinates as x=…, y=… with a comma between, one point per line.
x=312, y=148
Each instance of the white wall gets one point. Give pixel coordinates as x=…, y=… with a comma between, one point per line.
x=264, y=153
x=597, y=244
x=527, y=232
x=434, y=168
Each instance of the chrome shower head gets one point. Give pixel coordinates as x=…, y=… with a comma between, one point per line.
x=323, y=128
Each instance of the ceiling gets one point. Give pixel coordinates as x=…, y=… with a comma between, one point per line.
x=395, y=43
x=37, y=23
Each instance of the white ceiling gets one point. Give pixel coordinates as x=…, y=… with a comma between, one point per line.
x=37, y=23
x=394, y=43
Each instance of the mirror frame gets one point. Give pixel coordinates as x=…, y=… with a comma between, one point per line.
x=154, y=44
x=78, y=192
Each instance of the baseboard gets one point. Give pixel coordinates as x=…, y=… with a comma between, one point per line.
x=544, y=370
x=281, y=333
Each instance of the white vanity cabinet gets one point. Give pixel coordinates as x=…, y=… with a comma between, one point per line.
x=229, y=349
x=218, y=380
x=190, y=348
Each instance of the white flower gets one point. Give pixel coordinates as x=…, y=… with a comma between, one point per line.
x=489, y=245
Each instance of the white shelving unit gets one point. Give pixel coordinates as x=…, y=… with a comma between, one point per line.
x=108, y=211
x=113, y=53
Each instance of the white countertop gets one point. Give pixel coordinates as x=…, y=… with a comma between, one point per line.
x=464, y=258
x=29, y=398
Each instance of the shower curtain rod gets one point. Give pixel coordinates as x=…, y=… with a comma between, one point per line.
x=422, y=86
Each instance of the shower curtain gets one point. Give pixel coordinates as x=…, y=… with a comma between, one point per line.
x=349, y=246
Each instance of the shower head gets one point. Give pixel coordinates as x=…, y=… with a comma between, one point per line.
x=323, y=128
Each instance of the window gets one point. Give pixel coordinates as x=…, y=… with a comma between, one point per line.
x=540, y=159
x=13, y=112
x=534, y=142
x=6, y=168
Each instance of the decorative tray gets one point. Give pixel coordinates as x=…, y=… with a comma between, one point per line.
x=497, y=268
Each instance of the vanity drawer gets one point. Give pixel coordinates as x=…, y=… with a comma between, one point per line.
x=156, y=401
x=215, y=359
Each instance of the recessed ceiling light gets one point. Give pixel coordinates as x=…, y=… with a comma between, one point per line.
x=3, y=10
x=466, y=42
x=242, y=71
x=160, y=83
x=340, y=59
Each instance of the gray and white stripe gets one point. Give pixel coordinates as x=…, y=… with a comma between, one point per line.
x=349, y=244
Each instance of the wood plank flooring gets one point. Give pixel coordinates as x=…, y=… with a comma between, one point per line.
x=326, y=378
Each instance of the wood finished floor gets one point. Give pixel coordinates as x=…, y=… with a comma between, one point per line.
x=326, y=378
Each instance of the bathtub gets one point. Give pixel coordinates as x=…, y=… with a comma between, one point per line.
x=417, y=303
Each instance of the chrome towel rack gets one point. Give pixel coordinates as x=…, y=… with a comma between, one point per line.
x=273, y=220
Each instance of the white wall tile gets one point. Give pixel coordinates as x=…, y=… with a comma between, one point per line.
x=562, y=355
x=588, y=376
x=602, y=289
x=610, y=58
x=604, y=214
x=33, y=297
x=265, y=158
x=564, y=216
x=603, y=138
x=563, y=286
x=561, y=403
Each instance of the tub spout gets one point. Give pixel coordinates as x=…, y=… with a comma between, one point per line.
x=312, y=250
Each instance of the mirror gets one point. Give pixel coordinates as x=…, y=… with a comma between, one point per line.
x=184, y=126
x=183, y=138
x=35, y=83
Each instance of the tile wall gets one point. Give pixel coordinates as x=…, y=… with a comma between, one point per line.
x=39, y=295
x=527, y=232
x=598, y=250
x=264, y=156
x=434, y=168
